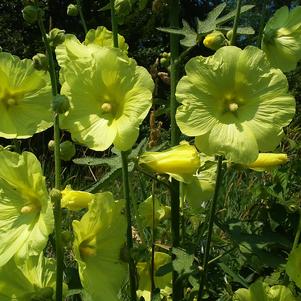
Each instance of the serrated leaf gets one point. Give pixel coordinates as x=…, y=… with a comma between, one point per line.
x=209, y=24
x=232, y=14
x=190, y=36
x=240, y=30
x=236, y=277
x=183, y=261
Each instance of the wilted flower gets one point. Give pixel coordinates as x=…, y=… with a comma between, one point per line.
x=215, y=40
x=26, y=217
x=117, y=97
x=266, y=161
x=180, y=162
x=201, y=188
x=262, y=291
x=25, y=98
x=282, y=38
x=144, y=277
x=33, y=280
x=145, y=211
x=74, y=199
x=99, y=238
x=234, y=103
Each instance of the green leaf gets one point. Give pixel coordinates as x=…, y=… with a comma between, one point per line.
x=231, y=14
x=210, y=23
x=164, y=269
x=236, y=277
x=183, y=262
x=190, y=36
x=240, y=30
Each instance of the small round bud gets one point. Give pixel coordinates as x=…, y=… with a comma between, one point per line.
x=67, y=150
x=215, y=40
x=229, y=34
x=40, y=61
x=60, y=104
x=55, y=195
x=30, y=14
x=51, y=145
x=72, y=10
x=56, y=37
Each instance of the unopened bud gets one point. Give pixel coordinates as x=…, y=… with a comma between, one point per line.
x=215, y=40
x=30, y=13
x=60, y=104
x=229, y=34
x=67, y=150
x=40, y=61
x=72, y=10
x=55, y=195
x=56, y=37
x=51, y=145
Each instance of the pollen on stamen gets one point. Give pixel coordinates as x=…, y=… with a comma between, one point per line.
x=233, y=107
x=28, y=209
x=106, y=107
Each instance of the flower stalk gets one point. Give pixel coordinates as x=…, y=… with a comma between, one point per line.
x=298, y=233
x=261, y=25
x=235, y=25
x=210, y=225
x=174, y=12
x=81, y=15
x=57, y=167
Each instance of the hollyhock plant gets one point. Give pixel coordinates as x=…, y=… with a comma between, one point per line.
x=282, y=38
x=109, y=96
x=267, y=161
x=99, y=238
x=26, y=217
x=234, y=103
x=25, y=98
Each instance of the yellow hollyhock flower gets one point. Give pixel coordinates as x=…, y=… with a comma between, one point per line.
x=25, y=98
x=117, y=96
x=26, y=217
x=267, y=161
x=180, y=162
x=215, y=40
x=282, y=38
x=33, y=280
x=99, y=238
x=73, y=49
x=234, y=103
x=144, y=277
x=74, y=199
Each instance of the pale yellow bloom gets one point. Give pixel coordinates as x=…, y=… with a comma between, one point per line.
x=267, y=161
x=74, y=199
x=180, y=162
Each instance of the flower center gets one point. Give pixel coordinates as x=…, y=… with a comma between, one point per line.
x=88, y=248
x=30, y=208
x=106, y=107
x=231, y=104
x=233, y=107
x=11, y=98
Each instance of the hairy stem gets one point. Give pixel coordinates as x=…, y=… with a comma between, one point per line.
x=126, y=190
x=81, y=15
x=235, y=25
x=153, y=286
x=114, y=24
x=210, y=226
x=57, y=166
x=261, y=25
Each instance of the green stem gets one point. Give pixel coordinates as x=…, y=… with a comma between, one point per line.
x=57, y=166
x=261, y=25
x=153, y=286
x=114, y=24
x=174, y=13
x=210, y=225
x=81, y=15
x=126, y=190
x=235, y=25
x=297, y=236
